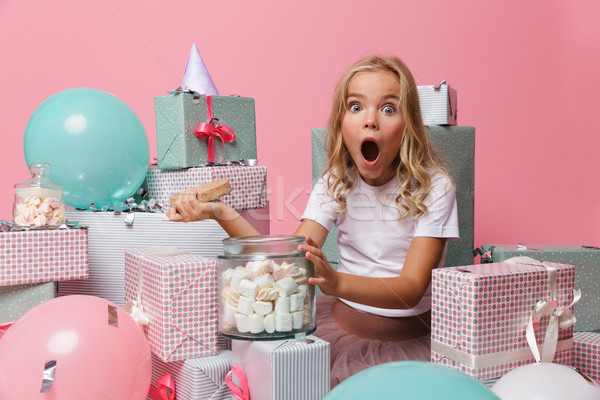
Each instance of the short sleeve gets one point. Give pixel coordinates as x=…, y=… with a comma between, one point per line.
x=320, y=206
x=441, y=218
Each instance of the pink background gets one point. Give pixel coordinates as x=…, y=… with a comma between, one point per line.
x=527, y=77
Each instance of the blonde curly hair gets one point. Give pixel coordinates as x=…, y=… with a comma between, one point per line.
x=416, y=160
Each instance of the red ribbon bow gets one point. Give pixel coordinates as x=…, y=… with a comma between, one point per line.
x=211, y=129
x=161, y=392
x=242, y=393
x=3, y=327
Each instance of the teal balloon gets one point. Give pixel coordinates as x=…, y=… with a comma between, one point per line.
x=95, y=143
x=411, y=380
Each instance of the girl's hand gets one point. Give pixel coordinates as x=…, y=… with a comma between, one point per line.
x=326, y=278
x=188, y=209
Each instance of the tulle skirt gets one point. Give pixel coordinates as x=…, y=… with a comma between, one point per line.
x=361, y=340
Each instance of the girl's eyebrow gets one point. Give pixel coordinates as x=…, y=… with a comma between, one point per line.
x=356, y=95
x=386, y=97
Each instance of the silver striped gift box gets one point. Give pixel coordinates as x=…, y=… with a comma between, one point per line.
x=196, y=378
x=438, y=104
x=284, y=369
x=109, y=236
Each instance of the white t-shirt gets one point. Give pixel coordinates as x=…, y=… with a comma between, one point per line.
x=373, y=242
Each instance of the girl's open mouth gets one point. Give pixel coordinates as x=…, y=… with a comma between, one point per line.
x=370, y=151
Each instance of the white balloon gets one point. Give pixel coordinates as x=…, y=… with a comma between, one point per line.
x=545, y=381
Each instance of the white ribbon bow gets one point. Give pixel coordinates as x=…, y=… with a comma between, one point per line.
x=138, y=314
x=560, y=317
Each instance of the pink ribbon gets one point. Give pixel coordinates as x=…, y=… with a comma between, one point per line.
x=211, y=129
x=4, y=327
x=161, y=392
x=242, y=393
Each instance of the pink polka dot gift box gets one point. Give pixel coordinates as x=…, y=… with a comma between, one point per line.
x=36, y=256
x=173, y=294
x=481, y=314
x=249, y=184
x=586, y=353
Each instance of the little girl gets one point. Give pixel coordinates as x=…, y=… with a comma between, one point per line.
x=395, y=209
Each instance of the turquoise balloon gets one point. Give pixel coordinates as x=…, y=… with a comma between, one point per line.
x=411, y=380
x=95, y=143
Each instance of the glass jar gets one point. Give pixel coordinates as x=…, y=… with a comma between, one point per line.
x=263, y=288
x=38, y=201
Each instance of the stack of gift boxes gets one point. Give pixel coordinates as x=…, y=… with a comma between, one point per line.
x=33, y=261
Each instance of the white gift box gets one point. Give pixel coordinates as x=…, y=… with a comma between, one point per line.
x=109, y=236
x=438, y=104
x=284, y=369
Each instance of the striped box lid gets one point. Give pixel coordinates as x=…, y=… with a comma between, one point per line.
x=284, y=369
x=109, y=236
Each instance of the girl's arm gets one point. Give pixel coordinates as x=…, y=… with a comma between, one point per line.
x=401, y=292
x=189, y=209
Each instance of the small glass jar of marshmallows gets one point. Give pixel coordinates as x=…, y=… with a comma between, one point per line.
x=263, y=288
x=38, y=201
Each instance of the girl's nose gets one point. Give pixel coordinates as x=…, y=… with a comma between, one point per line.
x=370, y=124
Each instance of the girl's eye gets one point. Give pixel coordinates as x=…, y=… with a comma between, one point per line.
x=389, y=109
x=354, y=107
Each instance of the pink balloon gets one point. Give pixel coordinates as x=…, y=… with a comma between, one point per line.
x=94, y=360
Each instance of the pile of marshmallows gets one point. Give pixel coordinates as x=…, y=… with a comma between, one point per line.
x=265, y=296
x=38, y=211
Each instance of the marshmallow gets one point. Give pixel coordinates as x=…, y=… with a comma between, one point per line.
x=238, y=276
x=283, y=270
x=248, y=288
x=296, y=302
x=267, y=294
x=283, y=322
x=303, y=289
x=307, y=314
x=282, y=305
x=285, y=286
x=270, y=323
x=265, y=280
x=297, y=319
x=242, y=323
x=302, y=279
x=245, y=305
x=263, y=307
x=230, y=296
x=229, y=315
x=257, y=324
x=256, y=268
x=226, y=277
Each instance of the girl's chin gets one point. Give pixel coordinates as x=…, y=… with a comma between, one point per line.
x=375, y=177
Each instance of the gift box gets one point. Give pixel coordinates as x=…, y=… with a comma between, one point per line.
x=586, y=353
x=197, y=378
x=438, y=104
x=178, y=293
x=284, y=369
x=585, y=259
x=177, y=118
x=37, y=256
x=109, y=234
x=17, y=300
x=249, y=184
x=480, y=313
x=456, y=146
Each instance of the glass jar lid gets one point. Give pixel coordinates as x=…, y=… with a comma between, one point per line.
x=39, y=178
x=268, y=245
